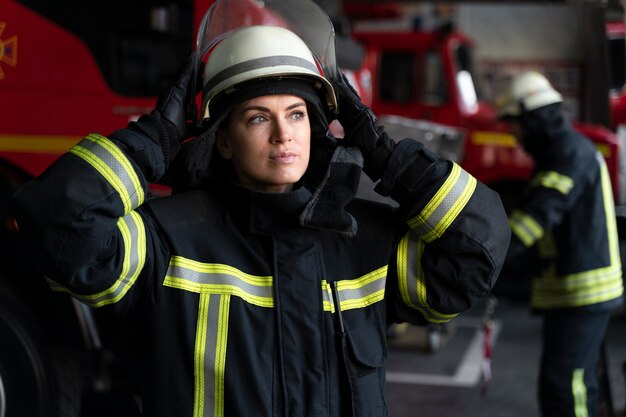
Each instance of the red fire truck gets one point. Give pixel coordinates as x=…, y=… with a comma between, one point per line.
x=68, y=68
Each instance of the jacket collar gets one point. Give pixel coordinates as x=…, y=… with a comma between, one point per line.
x=262, y=212
x=323, y=209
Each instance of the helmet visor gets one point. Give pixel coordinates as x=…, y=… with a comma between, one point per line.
x=303, y=17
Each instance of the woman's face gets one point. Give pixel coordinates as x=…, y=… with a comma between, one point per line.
x=268, y=141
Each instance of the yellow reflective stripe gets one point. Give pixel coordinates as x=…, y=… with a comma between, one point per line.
x=357, y=293
x=579, y=392
x=220, y=354
x=199, y=352
x=114, y=166
x=327, y=297
x=412, y=280
x=575, y=290
x=210, y=355
x=198, y=277
x=403, y=265
x=552, y=179
x=133, y=234
x=445, y=205
x=609, y=210
x=525, y=227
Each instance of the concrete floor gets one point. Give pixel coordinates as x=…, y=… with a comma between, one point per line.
x=448, y=382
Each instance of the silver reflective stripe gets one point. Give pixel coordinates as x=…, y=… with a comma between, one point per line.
x=445, y=205
x=210, y=355
x=133, y=237
x=114, y=166
x=201, y=277
x=270, y=61
x=412, y=280
x=356, y=293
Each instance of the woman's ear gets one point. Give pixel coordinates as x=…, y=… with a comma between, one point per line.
x=223, y=145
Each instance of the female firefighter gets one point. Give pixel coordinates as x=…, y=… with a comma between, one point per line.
x=264, y=287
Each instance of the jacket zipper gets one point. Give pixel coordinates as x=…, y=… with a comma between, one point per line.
x=333, y=287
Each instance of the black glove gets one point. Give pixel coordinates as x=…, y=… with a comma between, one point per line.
x=361, y=129
x=170, y=122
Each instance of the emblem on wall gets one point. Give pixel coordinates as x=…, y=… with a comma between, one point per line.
x=8, y=50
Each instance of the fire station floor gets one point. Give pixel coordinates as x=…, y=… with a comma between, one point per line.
x=439, y=374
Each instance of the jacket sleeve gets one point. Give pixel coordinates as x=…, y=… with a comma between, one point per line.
x=456, y=241
x=82, y=224
x=555, y=187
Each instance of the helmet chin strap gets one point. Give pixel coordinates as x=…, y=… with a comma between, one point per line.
x=192, y=105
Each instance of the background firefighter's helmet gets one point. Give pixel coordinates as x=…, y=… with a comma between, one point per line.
x=527, y=91
x=259, y=52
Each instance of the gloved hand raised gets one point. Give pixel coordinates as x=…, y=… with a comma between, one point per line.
x=170, y=122
x=361, y=129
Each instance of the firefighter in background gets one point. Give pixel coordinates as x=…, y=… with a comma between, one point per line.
x=567, y=215
x=263, y=287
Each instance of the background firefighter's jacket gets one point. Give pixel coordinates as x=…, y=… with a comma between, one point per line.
x=567, y=216
x=247, y=312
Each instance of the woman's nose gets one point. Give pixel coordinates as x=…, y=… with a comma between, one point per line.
x=281, y=131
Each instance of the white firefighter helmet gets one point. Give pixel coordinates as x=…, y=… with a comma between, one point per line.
x=258, y=52
x=527, y=91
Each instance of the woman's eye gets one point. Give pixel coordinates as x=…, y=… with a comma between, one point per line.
x=255, y=120
x=298, y=115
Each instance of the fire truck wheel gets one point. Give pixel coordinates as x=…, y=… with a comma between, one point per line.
x=35, y=380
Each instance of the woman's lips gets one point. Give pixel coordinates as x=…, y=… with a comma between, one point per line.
x=283, y=157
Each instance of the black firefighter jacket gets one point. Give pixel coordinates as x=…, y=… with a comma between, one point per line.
x=567, y=216
x=248, y=313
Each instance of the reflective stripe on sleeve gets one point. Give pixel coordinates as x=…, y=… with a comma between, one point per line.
x=576, y=290
x=412, y=281
x=525, y=227
x=430, y=224
x=133, y=237
x=356, y=293
x=552, y=179
x=198, y=277
x=114, y=166
x=445, y=205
